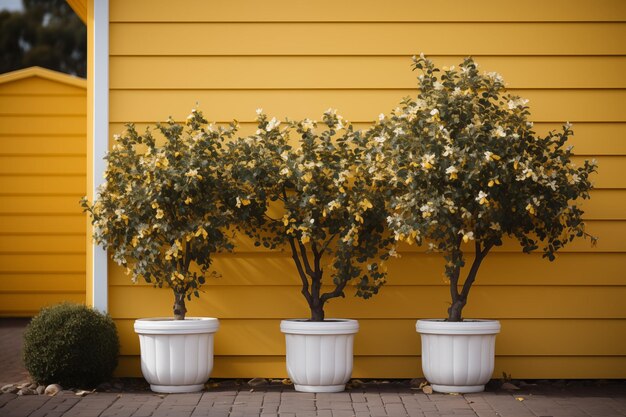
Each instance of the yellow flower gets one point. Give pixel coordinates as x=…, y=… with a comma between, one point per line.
x=202, y=232
x=307, y=177
x=467, y=236
x=427, y=161
x=452, y=172
x=159, y=214
x=134, y=241
x=162, y=163
x=482, y=198
x=489, y=156
x=188, y=200
x=305, y=238
x=365, y=204
x=358, y=218
x=530, y=208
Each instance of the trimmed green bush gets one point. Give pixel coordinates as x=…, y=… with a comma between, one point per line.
x=71, y=345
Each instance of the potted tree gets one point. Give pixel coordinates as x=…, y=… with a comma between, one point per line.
x=470, y=172
x=161, y=215
x=316, y=198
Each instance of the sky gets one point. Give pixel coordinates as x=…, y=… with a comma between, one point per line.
x=10, y=4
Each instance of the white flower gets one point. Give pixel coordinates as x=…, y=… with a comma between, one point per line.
x=482, y=198
x=518, y=102
x=434, y=112
x=259, y=111
x=380, y=139
x=330, y=111
x=494, y=76
x=308, y=124
x=273, y=124
x=467, y=236
x=437, y=85
x=398, y=131
x=448, y=151
x=381, y=117
x=495, y=226
x=552, y=185
x=452, y=171
x=498, y=132
x=428, y=160
x=427, y=209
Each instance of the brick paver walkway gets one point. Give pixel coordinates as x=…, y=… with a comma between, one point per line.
x=375, y=400
x=287, y=403
x=11, y=367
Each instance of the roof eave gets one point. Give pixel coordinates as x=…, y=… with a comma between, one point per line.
x=80, y=8
x=45, y=74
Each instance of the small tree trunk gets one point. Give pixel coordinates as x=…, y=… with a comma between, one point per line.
x=179, y=306
x=317, y=311
x=456, y=309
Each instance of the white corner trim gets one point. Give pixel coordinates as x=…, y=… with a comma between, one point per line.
x=100, y=136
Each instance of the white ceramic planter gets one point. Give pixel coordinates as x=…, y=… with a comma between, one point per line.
x=458, y=356
x=319, y=354
x=176, y=355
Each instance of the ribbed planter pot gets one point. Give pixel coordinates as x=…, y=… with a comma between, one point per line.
x=458, y=356
x=319, y=354
x=176, y=355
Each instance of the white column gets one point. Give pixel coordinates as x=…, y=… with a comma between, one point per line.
x=100, y=136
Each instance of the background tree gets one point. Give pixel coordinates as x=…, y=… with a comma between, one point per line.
x=47, y=33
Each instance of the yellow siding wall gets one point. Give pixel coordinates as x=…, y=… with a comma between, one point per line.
x=565, y=319
x=42, y=177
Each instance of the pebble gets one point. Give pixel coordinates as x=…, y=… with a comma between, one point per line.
x=23, y=384
x=9, y=389
x=25, y=391
x=427, y=389
x=257, y=382
x=509, y=386
x=40, y=389
x=52, y=389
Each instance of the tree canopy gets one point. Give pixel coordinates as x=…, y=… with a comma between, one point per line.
x=46, y=33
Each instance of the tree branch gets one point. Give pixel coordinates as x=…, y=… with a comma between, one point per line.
x=303, y=278
x=305, y=259
x=335, y=293
x=471, y=275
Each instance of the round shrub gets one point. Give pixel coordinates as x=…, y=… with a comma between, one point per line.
x=71, y=345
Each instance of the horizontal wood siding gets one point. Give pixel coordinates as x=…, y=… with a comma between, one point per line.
x=564, y=319
x=42, y=177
